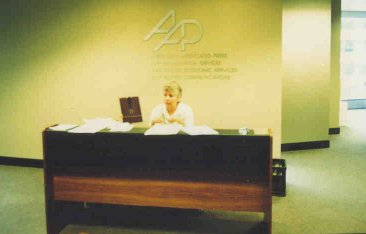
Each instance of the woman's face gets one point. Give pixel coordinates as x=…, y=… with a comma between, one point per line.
x=170, y=98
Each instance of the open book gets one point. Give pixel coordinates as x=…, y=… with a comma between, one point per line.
x=200, y=130
x=164, y=129
x=97, y=124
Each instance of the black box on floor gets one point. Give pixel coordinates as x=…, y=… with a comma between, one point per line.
x=279, y=177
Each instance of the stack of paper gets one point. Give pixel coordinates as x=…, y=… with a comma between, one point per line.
x=97, y=124
x=87, y=128
x=200, y=130
x=62, y=127
x=120, y=127
x=164, y=129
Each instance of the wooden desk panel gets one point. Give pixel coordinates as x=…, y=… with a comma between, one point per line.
x=162, y=193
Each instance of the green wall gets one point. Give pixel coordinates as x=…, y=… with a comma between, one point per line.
x=306, y=70
x=63, y=61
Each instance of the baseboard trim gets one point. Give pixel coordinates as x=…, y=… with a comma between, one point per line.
x=23, y=162
x=305, y=145
x=333, y=131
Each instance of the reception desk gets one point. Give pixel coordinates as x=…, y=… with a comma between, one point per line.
x=209, y=172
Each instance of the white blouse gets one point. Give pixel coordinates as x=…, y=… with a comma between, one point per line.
x=183, y=112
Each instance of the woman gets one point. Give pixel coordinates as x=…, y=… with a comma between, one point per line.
x=172, y=110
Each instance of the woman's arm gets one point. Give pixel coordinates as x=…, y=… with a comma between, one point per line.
x=156, y=116
x=156, y=121
x=177, y=120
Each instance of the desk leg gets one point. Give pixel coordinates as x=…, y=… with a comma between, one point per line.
x=56, y=217
x=62, y=213
x=268, y=221
x=58, y=214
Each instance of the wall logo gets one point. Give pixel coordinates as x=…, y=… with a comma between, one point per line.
x=181, y=25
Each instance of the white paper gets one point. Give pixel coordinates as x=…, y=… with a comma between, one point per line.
x=97, y=124
x=62, y=127
x=120, y=127
x=87, y=128
x=200, y=130
x=164, y=129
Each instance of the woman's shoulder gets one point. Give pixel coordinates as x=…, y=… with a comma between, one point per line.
x=184, y=106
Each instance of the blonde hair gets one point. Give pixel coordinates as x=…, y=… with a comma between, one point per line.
x=173, y=87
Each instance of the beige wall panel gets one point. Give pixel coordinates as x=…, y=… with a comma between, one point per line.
x=306, y=70
x=65, y=61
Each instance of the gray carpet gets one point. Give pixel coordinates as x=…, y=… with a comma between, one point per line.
x=326, y=193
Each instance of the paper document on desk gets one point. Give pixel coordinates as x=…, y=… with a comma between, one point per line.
x=94, y=125
x=164, y=129
x=87, y=128
x=120, y=127
x=200, y=130
x=62, y=127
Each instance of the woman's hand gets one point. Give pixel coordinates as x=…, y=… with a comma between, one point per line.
x=176, y=120
x=157, y=121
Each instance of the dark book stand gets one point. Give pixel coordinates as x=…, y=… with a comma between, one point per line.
x=131, y=110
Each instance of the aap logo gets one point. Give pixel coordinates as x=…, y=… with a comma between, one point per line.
x=181, y=25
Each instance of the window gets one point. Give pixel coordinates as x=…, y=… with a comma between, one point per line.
x=353, y=49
